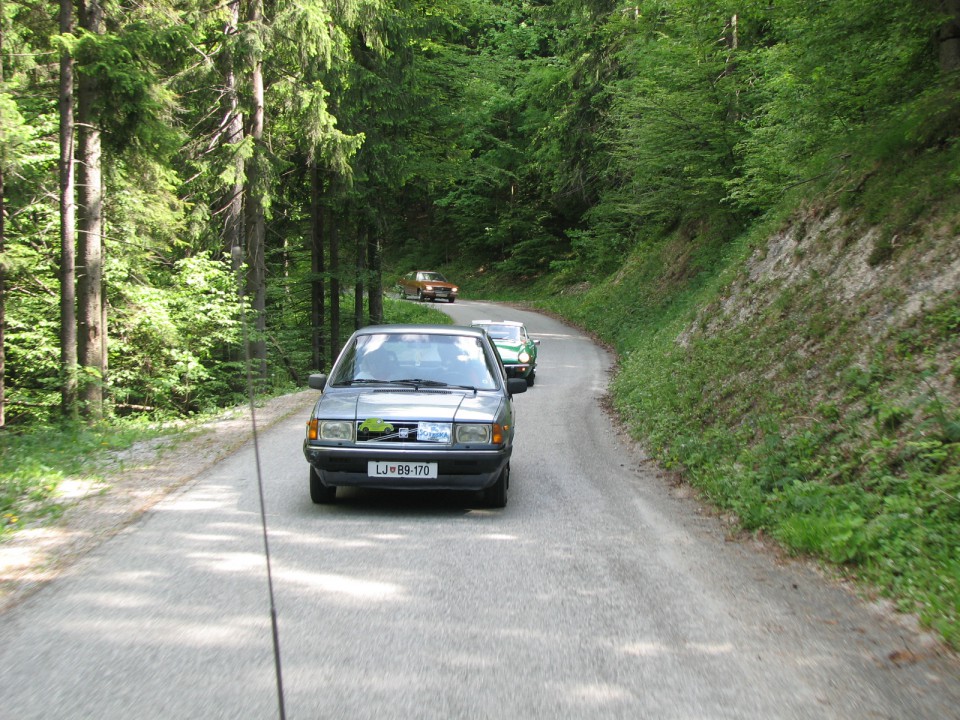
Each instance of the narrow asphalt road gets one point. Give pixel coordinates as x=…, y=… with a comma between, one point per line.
x=600, y=591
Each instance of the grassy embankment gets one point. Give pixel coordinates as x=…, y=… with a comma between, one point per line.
x=805, y=376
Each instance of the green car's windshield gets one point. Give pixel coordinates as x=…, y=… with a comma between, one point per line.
x=504, y=332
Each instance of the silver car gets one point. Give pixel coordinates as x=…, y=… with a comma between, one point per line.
x=417, y=407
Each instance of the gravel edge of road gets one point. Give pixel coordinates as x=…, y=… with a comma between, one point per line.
x=141, y=476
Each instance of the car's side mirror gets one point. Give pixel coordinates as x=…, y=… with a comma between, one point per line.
x=536, y=342
x=317, y=381
x=516, y=386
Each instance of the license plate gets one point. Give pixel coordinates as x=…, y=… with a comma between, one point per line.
x=434, y=432
x=402, y=469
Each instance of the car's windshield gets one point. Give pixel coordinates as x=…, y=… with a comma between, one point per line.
x=416, y=359
x=504, y=332
x=432, y=276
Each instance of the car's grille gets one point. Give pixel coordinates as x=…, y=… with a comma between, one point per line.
x=394, y=432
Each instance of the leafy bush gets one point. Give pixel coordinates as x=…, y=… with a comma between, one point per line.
x=171, y=345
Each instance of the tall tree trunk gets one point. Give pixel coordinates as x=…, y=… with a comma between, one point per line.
x=375, y=279
x=254, y=213
x=104, y=334
x=90, y=331
x=949, y=37
x=232, y=126
x=334, y=236
x=360, y=279
x=316, y=265
x=68, y=237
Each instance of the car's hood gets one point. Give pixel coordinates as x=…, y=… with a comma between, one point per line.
x=508, y=348
x=438, y=406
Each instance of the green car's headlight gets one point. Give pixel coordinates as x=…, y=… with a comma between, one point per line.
x=473, y=434
x=524, y=356
x=336, y=430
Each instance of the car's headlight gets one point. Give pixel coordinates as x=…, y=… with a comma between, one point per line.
x=336, y=430
x=481, y=434
x=428, y=287
x=524, y=356
x=474, y=434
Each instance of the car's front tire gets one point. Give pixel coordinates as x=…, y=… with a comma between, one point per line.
x=451, y=300
x=320, y=493
x=531, y=378
x=496, y=494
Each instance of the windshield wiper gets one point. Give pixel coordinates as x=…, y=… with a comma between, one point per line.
x=416, y=382
x=419, y=382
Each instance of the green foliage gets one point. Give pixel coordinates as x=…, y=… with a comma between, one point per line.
x=169, y=345
x=134, y=109
x=169, y=342
x=672, y=122
x=14, y=132
x=497, y=199
x=823, y=73
x=398, y=312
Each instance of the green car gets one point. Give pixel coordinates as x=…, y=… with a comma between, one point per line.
x=518, y=351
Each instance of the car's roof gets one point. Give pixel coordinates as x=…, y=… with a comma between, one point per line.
x=424, y=329
x=497, y=322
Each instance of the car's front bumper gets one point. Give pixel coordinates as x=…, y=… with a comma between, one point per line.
x=520, y=370
x=438, y=294
x=456, y=469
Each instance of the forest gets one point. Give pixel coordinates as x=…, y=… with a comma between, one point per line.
x=154, y=153
x=191, y=192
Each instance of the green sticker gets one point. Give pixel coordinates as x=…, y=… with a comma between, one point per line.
x=375, y=425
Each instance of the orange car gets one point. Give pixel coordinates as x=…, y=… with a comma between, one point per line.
x=427, y=285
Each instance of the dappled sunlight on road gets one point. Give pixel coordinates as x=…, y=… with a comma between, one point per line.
x=344, y=543
x=118, y=600
x=594, y=694
x=498, y=536
x=657, y=649
x=353, y=587
x=230, y=562
x=235, y=632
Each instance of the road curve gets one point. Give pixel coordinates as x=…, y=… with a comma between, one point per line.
x=600, y=591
